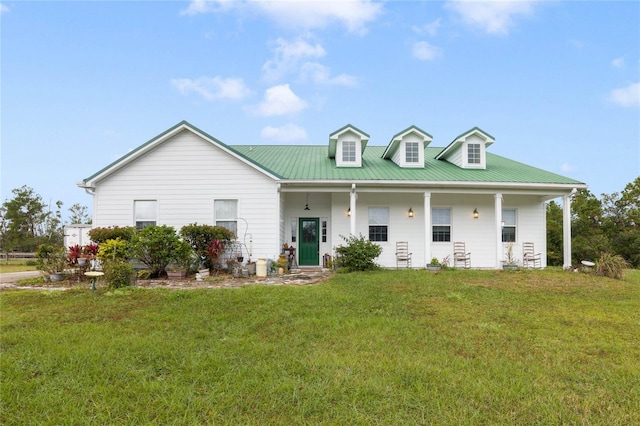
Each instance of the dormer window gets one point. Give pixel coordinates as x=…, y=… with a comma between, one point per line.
x=473, y=153
x=412, y=153
x=349, y=151
x=347, y=145
x=406, y=148
x=469, y=150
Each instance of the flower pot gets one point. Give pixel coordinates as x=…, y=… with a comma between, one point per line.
x=434, y=267
x=280, y=271
x=82, y=261
x=58, y=276
x=509, y=267
x=176, y=274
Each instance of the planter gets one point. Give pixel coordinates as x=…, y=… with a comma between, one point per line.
x=82, y=261
x=434, y=267
x=509, y=267
x=280, y=271
x=251, y=266
x=58, y=276
x=175, y=275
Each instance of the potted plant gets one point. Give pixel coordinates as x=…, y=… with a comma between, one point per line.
x=51, y=260
x=510, y=263
x=434, y=265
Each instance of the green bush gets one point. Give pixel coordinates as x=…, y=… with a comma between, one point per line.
x=117, y=273
x=100, y=235
x=611, y=265
x=359, y=254
x=50, y=258
x=112, y=250
x=200, y=236
x=158, y=246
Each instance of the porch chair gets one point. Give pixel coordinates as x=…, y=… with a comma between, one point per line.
x=460, y=255
x=530, y=257
x=402, y=254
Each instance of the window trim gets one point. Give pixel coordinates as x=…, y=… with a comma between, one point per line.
x=385, y=234
x=407, y=151
x=514, y=226
x=434, y=224
x=142, y=222
x=347, y=152
x=217, y=219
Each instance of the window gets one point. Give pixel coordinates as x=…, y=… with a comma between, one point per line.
x=145, y=213
x=349, y=151
x=441, y=225
x=378, y=223
x=509, y=225
x=226, y=212
x=294, y=229
x=473, y=153
x=412, y=155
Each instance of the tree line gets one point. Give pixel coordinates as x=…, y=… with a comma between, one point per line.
x=609, y=224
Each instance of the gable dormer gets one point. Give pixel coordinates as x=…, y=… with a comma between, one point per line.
x=346, y=145
x=468, y=151
x=406, y=148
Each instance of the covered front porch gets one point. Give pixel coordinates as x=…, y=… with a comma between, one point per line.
x=314, y=220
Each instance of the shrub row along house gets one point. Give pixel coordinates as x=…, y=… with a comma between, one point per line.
x=309, y=197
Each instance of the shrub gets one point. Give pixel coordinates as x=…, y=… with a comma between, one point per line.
x=100, y=235
x=359, y=254
x=50, y=258
x=112, y=250
x=200, y=237
x=118, y=273
x=156, y=247
x=611, y=265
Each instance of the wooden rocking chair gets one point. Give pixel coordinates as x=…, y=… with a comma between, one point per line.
x=460, y=255
x=403, y=256
x=530, y=257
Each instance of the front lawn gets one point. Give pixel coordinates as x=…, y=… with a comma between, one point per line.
x=388, y=347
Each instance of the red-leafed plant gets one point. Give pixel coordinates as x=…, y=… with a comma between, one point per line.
x=214, y=249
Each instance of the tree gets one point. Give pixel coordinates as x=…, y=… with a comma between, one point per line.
x=622, y=212
x=554, y=234
x=26, y=221
x=588, y=240
x=79, y=214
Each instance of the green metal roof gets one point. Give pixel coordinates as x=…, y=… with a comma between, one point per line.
x=305, y=162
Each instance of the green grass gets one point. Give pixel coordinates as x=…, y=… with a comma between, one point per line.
x=17, y=266
x=388, y=347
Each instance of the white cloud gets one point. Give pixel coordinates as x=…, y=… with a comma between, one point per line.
x=494, y=17
x=3, y=8
x=353, y=14
x=566, y=167
x=207, y=6
x=430, y=28
x=425, y=51
x=286, y=133
x=626, y=96
x=288, y=55
x=280, y=100
x=618, y=62
x=321, y=74
x=212, y=88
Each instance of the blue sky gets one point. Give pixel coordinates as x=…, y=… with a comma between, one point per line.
x=82, y=83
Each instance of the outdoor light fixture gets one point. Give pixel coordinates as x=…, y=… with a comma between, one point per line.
x=349, y=211
x=475, y=213
x=410, y=212
x=306, y=206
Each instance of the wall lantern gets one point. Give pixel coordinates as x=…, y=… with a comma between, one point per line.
x=306, y=206
x=349, y=211
x=475, y=213
x=410, y=212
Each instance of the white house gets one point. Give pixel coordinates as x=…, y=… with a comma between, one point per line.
x=310, y=196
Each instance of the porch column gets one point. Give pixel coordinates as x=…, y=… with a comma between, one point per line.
x=352, y=206
x=427, y=228
x=498, y=219
x=566, y=231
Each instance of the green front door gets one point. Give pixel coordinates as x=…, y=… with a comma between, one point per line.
x=309, y=250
